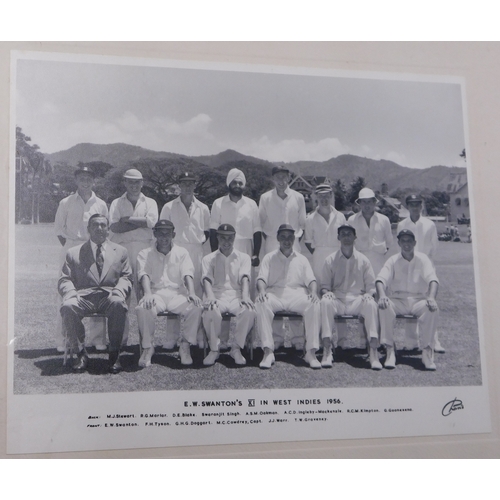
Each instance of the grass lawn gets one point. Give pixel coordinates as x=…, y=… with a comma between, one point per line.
x=38, y=368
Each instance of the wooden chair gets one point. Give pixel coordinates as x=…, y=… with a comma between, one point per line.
x=343, y=319
x=68, y=349
x=293, y=326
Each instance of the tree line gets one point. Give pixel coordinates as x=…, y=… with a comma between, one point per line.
x=40, y=186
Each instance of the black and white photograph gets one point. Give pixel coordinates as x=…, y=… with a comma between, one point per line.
x=210, y=253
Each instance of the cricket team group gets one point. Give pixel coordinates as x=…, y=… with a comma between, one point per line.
x=160, y=255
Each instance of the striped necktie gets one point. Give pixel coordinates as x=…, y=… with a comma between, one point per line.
x=99, y=259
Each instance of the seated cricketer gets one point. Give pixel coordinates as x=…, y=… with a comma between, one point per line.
x=347, y=287
x=407, y=284
x=165, y=272
x=286, y=282
x=96, y=278
x=225, y=278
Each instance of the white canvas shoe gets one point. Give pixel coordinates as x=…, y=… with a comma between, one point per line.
x=145, y=359
x=185, y=353
x=327, y=358
x=211, y=358
x=374, y=361
x=237, y=356
x=390, y=361
x=267, y=360
x=438, y=347
x=311, y=358
x=428, y=358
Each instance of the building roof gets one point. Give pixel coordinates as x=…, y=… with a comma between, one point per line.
x=310, y=181
x=453, y=182
x=395, y=203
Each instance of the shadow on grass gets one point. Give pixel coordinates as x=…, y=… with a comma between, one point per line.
x=53, y=364
x=36, y=353
x=169, y=358
x=291, y=356
x=357, y=358
x=411, y=358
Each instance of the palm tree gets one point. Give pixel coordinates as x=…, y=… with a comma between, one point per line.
x=32, y=169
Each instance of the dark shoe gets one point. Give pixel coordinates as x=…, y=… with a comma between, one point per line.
x=81, y=362
x=114, y=363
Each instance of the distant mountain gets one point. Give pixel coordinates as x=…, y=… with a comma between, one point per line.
x=345, y=167
x=375, y=172
x=229, y=156
x=118, y=155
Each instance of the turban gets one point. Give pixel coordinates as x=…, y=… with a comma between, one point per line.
x=235, y=174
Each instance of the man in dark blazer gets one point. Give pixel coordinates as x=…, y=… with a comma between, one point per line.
x=96, y=278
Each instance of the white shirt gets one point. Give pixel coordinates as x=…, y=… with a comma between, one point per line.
x=242, y=215
x=145, y=207
x=73, y=215
x=404, y=278
x=226, y=273
x=275, y=211
x=320, y=233
x=165, y=271
x=374, y=238
x=281, y=272
x=351, y=276
x=425, y=233
x=190, y=226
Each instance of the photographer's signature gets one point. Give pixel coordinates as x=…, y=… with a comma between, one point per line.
x=453, y=405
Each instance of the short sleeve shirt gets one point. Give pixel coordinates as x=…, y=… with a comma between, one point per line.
x=165, y=271
x=73, y=215
x=225, y=273
x=145, y=207
x=242, y=215
x=190, y=226
x=404, y=278
x=281, y=272
x=348, y=277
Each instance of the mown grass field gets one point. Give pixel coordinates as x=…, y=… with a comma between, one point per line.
x=38, y=368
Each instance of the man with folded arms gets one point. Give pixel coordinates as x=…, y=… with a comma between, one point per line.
x=407, y=284
x=347, y=287
x=132, y=217
x=95, y=278
x=165, y=272
x=286, y=282
x=226, y=276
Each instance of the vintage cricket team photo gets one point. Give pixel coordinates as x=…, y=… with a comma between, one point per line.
x=183, y=227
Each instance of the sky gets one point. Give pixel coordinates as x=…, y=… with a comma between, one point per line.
x=269, y=115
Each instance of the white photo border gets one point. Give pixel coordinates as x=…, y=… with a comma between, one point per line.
x=58, y=423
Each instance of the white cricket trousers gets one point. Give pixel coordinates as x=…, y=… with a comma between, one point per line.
x=174, y=302
x=427, y=320
x=295, y=301
x=349, y=305
x=212, y=322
